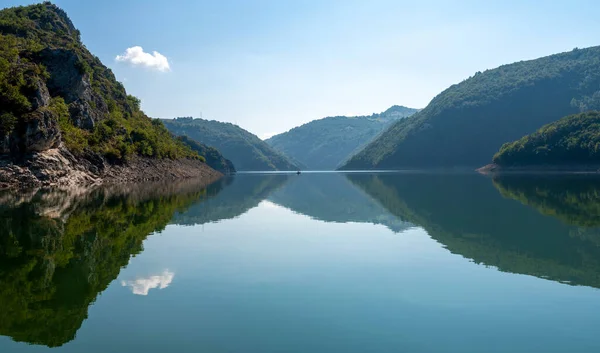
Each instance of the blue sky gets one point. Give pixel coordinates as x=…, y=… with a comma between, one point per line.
x=270, y=65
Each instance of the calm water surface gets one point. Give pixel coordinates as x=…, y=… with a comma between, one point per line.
x=305, y=263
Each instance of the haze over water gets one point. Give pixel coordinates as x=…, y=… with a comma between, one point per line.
x=323, y=262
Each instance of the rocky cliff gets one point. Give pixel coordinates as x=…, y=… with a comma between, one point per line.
x=65, y=119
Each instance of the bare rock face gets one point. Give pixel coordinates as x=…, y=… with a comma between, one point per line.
x=41, y=95
x=69, y=79
x=38, y=130
x=41, y=131
x=51, y=167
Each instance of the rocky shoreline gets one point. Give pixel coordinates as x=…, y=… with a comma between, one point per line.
x=57, y=167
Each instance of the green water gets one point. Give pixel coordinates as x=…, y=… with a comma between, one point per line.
x=317, y=262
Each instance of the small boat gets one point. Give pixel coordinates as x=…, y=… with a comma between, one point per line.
x=298, y=172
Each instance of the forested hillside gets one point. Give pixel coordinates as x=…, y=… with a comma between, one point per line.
x=53, y=90
x=573, y=141
x=211, y=155
x=245, y=150
x=467, y=123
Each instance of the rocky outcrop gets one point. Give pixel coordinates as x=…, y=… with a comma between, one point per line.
x=57, y=167
x=41, y=96
x=41, y=131
x=69, y=79
x=65, y=119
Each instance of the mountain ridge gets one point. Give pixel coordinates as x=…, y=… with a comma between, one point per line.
x=466, y=124
x=324, y=144
x=244, y=149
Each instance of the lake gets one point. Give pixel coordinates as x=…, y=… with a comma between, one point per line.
x=317, y=262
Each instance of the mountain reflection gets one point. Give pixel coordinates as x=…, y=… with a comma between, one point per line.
x=59, y=249
x=330, y=197
x=470, y=217
x=574, y=199
x=236, y=195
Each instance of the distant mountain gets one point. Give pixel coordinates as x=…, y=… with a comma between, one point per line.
x=467, y=123
x=245, y=150
x=571, y=142
x=326, y=143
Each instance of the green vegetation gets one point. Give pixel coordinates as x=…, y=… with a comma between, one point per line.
x=467, y=215
x=467, y=123
x=574, y=199
x=43, y=67
x=58, y=252
x=245, y=150
x=571, y=141
x=326, y=143
x=210, y=155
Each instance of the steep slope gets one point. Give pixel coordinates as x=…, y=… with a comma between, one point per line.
x=59, y=102
x=245, y=150
x=326, y=143
x=572, y=142
x=212, y=156
x=467, y=123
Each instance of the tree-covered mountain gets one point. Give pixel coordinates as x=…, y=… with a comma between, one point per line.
x=571, y=142
x=211, y=155
x=326, y=143
x=54, y=94
x=497, y=231
x=467, y=123
x=245, y=150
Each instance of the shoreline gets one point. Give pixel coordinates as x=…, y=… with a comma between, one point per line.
x=59, y=168
x=492, y=169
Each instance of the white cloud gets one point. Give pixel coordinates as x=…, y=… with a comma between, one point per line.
x=142, y=286
x=138, y=57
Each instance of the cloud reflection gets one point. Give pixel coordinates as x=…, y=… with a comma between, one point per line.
x=141, y=286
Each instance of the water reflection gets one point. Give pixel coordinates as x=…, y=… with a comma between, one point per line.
x=468, y=215
x=330, y=197
x=59, y=249
x=142, y=285
x=231, y=197
x=574, y=199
